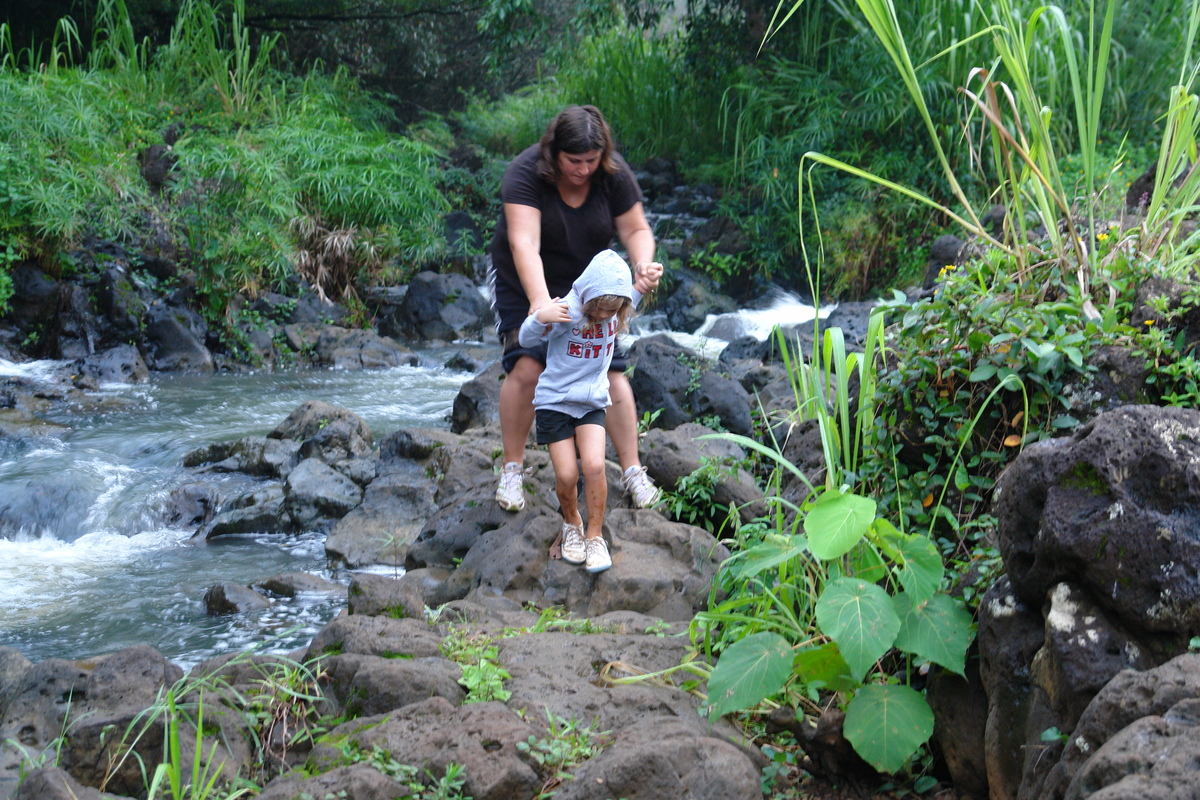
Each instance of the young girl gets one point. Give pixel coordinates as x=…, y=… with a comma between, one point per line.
x=580, y=332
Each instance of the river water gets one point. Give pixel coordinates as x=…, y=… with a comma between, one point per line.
x=91, y=567
x=87, y=563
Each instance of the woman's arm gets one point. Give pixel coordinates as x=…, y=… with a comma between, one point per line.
x=525, y=239
x=638, y=240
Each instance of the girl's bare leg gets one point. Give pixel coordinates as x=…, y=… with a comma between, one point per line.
x=566, y=479
x=590, y=439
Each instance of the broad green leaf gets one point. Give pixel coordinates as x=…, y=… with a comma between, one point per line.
x=836, y=522
x=921, y=567
x=884, y=535
x=983, y=372
x=864, y=562
x=938, y=630
x=770, y=553
x=825, y=667
x=750, y=671
x=886, y=725
x=860, y=617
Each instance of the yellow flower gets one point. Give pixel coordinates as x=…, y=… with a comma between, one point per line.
x=1102, y=236
x=948, y=268
x=1148, y=322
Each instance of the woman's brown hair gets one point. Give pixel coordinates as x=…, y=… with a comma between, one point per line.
x=575, y=130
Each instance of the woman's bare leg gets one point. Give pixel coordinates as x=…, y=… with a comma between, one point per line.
x=516, y=407
x=622, y=420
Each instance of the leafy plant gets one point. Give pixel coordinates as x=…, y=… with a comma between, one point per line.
x=691, y=500
x=873, y=612
x=566, y=745
x=483, y=676
x=448, y=786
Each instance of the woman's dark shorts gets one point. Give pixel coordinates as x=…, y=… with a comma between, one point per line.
x=513, y=351
x=555, y=426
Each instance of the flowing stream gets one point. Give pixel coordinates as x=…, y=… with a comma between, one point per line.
x=88, y=564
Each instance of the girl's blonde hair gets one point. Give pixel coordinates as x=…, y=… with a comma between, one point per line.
x=591, y=310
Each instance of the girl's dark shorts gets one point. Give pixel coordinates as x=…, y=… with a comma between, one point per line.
x=513, y=351
x=555, y=426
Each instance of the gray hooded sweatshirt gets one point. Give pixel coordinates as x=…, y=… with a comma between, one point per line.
x=575, y=380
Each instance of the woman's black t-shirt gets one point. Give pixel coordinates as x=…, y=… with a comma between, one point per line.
x=570, y=236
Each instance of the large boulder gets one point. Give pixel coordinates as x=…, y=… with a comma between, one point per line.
x=315, y=492
x=445, y=306
x=672, y=378
x=1137, y=738
x=175, y=339
x=1098, y=535
x=1113, y=509
x=346, y=348
x=477, y=403
x=675, y=454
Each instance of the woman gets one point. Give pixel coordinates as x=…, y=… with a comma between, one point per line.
x=562, y=201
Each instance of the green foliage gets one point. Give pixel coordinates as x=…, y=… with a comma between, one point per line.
x=257, y=151
x=878, y=604
x=952, y=417
x=483, y=676
x=448, y=786
x=691, y=499
x=566, y=745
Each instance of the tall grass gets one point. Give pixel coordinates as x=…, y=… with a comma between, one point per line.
x=256, y=150
x=642, y=84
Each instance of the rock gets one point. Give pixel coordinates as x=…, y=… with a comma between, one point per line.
x=354, y=782
x=229, y=598
x=478, y=401
x=382, y=636
x=120, y=364
x=313, y=416
x=342, y=440
x=175, y=339
x=291, y=584
x=1153, y=758
x=393, y=510
x=674, y=379
x=314, y=491
x=34, y=296
x=946, y=251
x=480, y=737
x=259, y=511
x=660, y=568
x=1113, y=510
x=192, y=504
x=52, y=783
x=378, y=595
x=121, y=301
x=444, y=306
x=960, y=710
x=692, y=301
x=343, y=348
x=253, y=455
x=675, y=454
x=366, y=685
x=1083, y=649
x=1129, y=737
x=1010, y=634
x=666, y=758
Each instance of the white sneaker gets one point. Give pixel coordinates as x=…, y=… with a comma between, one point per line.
x=640, y=487
x=574, y=551
x=510, y=494
x=598, y=559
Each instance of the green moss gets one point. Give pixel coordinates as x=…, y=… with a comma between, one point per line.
x=1083, y=477
x=334, y=649
x=396, y=612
